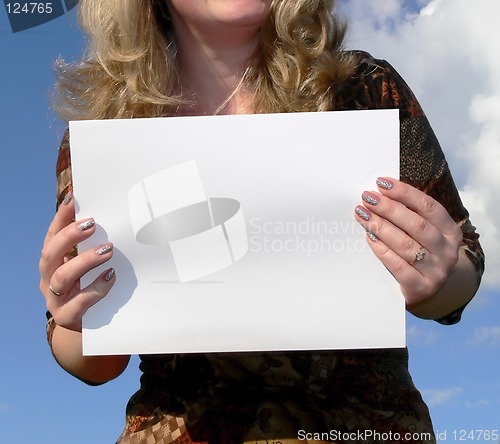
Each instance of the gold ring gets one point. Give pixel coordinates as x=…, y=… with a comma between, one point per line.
x=55, y=293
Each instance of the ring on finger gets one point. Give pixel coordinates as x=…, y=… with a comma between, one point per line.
x=55, y=293
x=419, y=255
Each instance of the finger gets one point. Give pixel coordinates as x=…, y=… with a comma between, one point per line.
x=392, y=214
x=67, y=275
x=392, y=236
x=70, y=314
x=54, y=252
x=424, y=205
x=414, y=283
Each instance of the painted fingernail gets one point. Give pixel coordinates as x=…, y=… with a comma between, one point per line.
x=87, y=224
x=371, y=236
x=384, y=183
x=363, y=213
x=104, y=249
x=370, y=199
x=110, y=274
x=68, y=198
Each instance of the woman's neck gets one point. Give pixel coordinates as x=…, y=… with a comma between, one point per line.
x=211, y=70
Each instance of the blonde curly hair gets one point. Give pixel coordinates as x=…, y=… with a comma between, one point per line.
x=130, y=67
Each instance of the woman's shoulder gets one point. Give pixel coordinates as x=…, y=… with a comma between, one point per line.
x=367, y=64
x=376, y=84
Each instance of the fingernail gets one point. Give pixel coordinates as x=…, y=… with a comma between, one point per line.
x=384, y=183
x=104, y=249
x=87, y=224
x=370, y=199
x=371, y=236
x=68, y=198
x=363, y=213
x=110, y=274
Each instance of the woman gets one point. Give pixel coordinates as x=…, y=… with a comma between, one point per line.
x=203, y=57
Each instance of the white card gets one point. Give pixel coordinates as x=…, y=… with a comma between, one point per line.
x=237, y=233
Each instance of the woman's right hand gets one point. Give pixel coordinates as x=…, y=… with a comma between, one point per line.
x=60, y=273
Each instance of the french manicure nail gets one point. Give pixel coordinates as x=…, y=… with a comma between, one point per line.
x=87, y=224
x=370, y=199
x=384, y=183
x=362, y=213
x=110, y=274
x=104, y=249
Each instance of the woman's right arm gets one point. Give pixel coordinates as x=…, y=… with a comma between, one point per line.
x=93, y=370
x=60, y=274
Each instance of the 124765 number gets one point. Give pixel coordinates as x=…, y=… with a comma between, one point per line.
x=29, y=8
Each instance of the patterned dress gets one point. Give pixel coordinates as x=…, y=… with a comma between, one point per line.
x=291, y=397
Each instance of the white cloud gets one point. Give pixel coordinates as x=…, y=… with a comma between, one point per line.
x=486, y=336
x=420, y=335
x=477, y=404
x=430, y=8
x=435, y=397
x=448, y=54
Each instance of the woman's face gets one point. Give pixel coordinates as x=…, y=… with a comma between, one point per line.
x=210, y=14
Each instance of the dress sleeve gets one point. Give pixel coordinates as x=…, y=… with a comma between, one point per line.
x=422, y=162
x=63, y=170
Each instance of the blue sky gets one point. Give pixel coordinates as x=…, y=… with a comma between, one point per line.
x=456, y=367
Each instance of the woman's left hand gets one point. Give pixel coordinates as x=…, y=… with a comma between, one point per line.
x=413, y=235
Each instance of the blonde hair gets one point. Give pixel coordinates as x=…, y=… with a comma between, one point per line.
x=130, y=67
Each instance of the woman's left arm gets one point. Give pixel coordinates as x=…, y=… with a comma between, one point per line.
x=419, y=227
x=421, y=245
